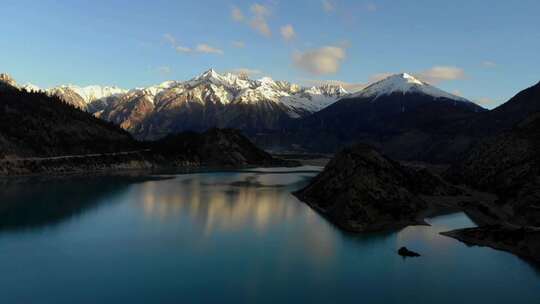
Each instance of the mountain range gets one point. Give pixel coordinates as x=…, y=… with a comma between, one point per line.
x=402, y=116
x=42, y=134
x=206, y=101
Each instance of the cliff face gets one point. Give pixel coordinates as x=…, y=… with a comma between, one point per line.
x=362, y=190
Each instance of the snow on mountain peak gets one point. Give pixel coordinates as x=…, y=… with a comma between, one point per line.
x=403, y=83
x=95, y=92
x=6, y=78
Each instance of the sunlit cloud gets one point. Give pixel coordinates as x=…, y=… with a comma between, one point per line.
x=183, y=49
x=259, y=22
x=201, y=48
x=322, y=61
x=246, y=72
x=237, y=15
x=287, y=32
x=207, y=49
x=257, y=19
x=439, y=74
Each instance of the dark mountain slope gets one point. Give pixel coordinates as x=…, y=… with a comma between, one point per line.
x=34, y=124
x=508, y=165
x=509, y=114
x=409, y=126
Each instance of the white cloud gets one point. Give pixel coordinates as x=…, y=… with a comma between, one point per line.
x=183, y=49
x=287, y=32
x=438, y=74
x=201, y=48
x=246, y=71
x=259, y=22
x=260, y=11
x=239, y=44
x=207, y=49
x=321, y=61
x=489, y=64
x=261, y=26
x=237, y=15
x=328, y=6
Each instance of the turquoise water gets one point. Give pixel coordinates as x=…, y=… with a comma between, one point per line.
x=228, y=237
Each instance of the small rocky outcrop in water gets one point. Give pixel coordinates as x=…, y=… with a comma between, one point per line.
x=362, y=190
x=404, y=252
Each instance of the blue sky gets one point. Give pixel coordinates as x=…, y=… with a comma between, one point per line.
x=483, y=50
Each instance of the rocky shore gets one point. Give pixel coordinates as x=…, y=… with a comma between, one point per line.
x=524, y=242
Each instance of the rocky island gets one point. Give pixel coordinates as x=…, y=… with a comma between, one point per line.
x=362, y=190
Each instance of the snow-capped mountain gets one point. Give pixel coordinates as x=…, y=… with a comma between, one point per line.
x=403, y=84
x=403, y=116
x=7, y=80
x=208, y=100
x=226, y=89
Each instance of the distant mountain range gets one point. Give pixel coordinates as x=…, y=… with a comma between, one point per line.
x=404, y=117
x=206, y=101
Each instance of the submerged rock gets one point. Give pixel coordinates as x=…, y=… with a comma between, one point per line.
x=404, y=252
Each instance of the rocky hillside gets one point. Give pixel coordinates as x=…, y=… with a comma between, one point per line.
x=35, y=124
x=508, y=165
x=362, y=190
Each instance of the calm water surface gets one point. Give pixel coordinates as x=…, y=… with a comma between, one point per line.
x=228, y=237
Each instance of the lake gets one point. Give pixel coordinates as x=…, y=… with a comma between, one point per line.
x=228, y=237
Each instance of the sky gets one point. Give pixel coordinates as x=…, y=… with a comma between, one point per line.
x=486, y=51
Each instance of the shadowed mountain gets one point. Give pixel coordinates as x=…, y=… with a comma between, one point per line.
x=403, y=117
